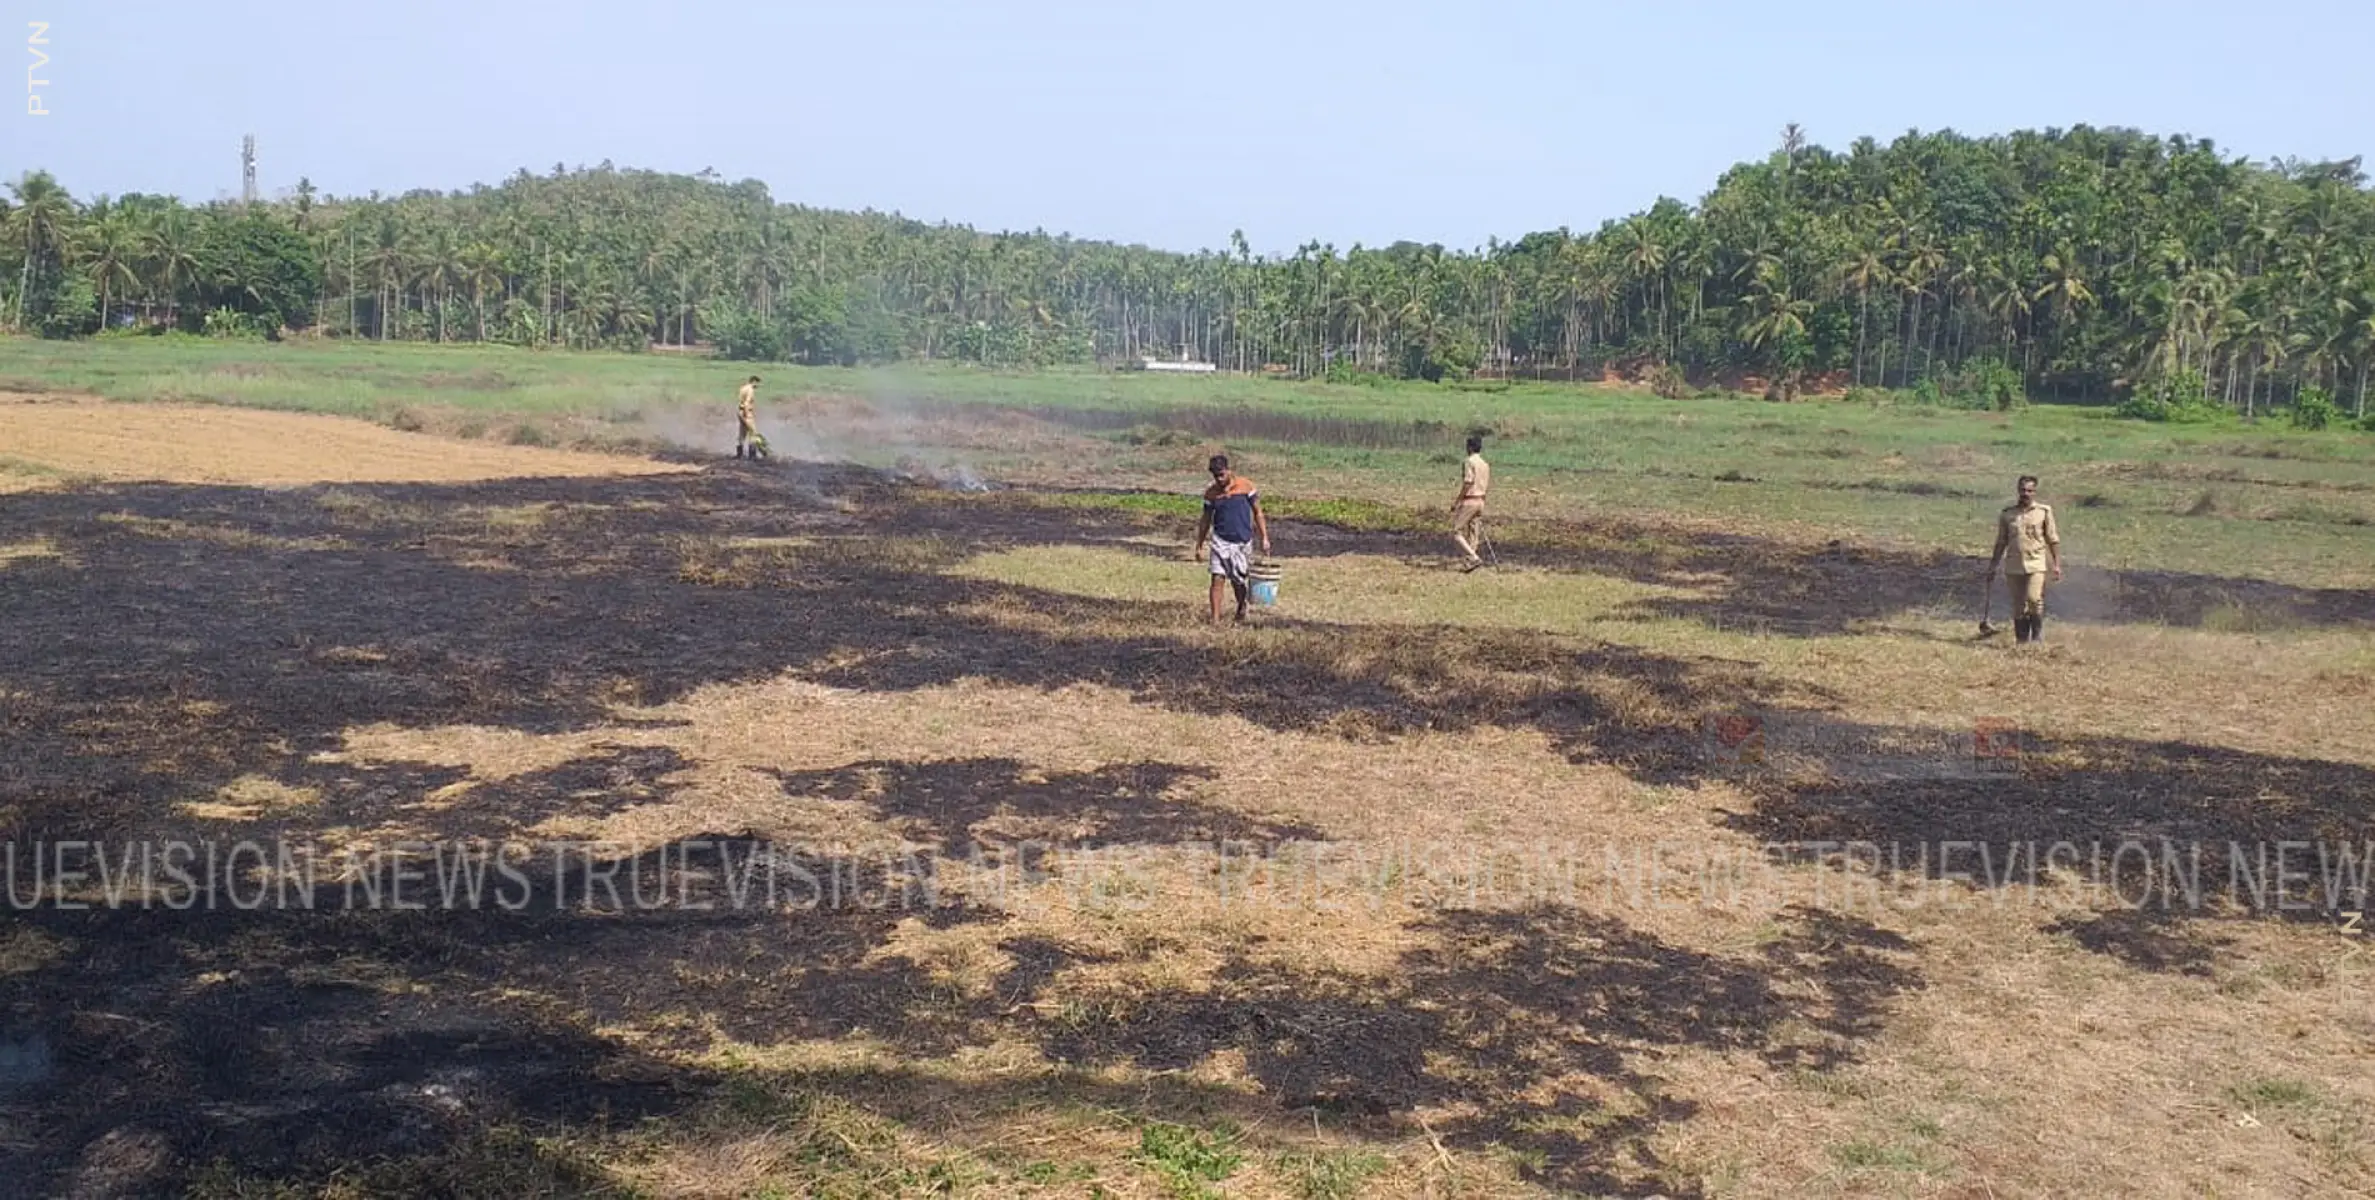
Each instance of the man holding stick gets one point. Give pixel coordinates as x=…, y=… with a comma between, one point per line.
x=2028, y=527
x=1467, y=512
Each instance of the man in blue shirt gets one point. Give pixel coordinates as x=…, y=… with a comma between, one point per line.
x=1233, y=519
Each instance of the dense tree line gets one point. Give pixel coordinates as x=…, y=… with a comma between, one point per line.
x=2075, y=261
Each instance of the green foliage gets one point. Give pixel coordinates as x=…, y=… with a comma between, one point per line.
x=1929, y=393
x=998, y=345
x=1344, y=371
x=1071, y=347
x=744, y=336
x=816, y=325
x=2314, y=409
x=1831, y=339
x=877, y=331
x=1981, y=385
x=516, y=323
x=1996, y=383
x=67, y=303
x=1007, y=344
x=2175, y=398
x=1450, y=355
x=258, y=266
x=2067, y=258
x=230, y=323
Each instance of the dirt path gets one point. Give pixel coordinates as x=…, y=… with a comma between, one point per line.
x=206, y=444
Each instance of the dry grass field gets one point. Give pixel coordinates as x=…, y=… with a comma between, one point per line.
x=402, y=814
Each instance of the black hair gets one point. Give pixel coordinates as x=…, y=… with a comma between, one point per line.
x=1475, y=444
x=2024, y=479
x=1220, y=462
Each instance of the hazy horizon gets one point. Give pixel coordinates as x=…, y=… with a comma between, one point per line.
x=1319, y=121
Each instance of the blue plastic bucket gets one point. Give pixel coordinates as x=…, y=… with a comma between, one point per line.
x=1264, y=578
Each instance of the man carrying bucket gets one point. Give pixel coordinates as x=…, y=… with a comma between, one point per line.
x=1232, y=519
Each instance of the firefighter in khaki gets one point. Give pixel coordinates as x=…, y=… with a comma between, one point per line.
x=2026, y=528
x=749, y=434
x=1467, y=512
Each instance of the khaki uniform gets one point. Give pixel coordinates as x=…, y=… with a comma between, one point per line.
x=1467, y=516
x=2027, y=534
x=749, y=434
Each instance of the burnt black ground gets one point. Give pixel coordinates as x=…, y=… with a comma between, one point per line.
x=150, y=665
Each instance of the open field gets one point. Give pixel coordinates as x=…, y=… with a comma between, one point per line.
x=2250, y=502
x=889, y=824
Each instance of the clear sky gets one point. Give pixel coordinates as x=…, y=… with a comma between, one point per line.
x=1148, y=121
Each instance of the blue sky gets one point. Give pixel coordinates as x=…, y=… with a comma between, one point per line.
x=1164, y=123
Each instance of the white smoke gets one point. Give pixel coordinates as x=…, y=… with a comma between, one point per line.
x=872, y=421
x=691, y=427
x=2090, y=596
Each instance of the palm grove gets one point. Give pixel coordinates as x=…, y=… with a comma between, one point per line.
x=2073, y=263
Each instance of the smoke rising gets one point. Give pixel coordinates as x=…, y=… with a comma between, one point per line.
x=2083, y=595
x=879, y=424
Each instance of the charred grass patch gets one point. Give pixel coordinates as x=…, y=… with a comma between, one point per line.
x=837, y=662
x=755, y=562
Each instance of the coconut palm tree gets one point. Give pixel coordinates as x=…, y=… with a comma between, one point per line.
x=1864, y=270
x=39, y=225
x=112, y=250
x=173, y=255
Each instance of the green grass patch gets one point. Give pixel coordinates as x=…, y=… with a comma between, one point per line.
x=25, y=466
x=1367, y=516
x=1331, y=1176
x=1875, y=1156
x=2262, y=1094
x=1138, y=503
x=1189, y=1160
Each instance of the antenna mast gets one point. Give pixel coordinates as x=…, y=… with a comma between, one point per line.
x=247, y=171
